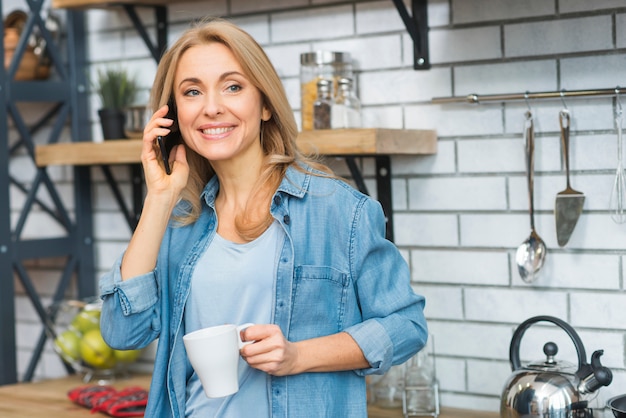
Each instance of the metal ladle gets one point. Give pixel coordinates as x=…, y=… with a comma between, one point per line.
x=531, y=254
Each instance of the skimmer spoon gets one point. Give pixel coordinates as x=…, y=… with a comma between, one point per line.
x=531, y=254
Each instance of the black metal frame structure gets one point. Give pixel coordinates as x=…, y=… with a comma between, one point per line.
x=67, y=93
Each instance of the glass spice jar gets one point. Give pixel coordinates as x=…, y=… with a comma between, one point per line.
x=313, y=67
x=346, y=110
x=323, y=105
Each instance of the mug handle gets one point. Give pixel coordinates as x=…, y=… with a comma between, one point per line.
x=239, y=329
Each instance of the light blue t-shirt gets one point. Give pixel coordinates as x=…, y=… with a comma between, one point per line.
x=233, y=284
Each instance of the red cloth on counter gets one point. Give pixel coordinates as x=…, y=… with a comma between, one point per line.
x=128, y=402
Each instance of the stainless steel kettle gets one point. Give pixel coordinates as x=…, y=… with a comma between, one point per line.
x=550, y=388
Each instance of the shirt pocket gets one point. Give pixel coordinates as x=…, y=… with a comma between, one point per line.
x=318, y=304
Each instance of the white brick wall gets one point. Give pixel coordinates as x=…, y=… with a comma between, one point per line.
x=558, y=37
x=460, y=214
x=465, y=44
x=473, y=11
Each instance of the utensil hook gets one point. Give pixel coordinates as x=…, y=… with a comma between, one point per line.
x=526, y=100
x=563, y=101
x=528, y=123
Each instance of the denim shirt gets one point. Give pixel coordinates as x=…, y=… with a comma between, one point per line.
x=336, y=272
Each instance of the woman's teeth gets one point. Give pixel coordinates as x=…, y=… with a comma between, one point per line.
x=216, y=131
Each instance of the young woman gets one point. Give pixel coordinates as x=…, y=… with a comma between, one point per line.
x=247, y=230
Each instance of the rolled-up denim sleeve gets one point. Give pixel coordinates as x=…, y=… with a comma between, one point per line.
x=136, y=295
x=130, y=308
x=375, y=342
x=393, y=327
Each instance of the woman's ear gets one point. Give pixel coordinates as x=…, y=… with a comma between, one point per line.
x=265, y=114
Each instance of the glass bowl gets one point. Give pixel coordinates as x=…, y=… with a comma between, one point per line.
x=77, y=340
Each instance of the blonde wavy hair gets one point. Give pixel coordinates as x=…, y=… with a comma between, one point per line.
x=278, y=134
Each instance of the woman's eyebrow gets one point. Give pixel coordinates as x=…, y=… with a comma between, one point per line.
x=222, y=77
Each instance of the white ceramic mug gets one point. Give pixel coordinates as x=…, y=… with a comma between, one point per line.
x=214, y=355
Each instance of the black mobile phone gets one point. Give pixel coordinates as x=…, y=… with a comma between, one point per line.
x=166, y=143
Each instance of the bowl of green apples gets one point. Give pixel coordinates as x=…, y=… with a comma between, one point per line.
x=78, y=342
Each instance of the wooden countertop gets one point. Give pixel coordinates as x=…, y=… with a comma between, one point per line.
x=48, y=399
x=358, y=142
x=376, y=412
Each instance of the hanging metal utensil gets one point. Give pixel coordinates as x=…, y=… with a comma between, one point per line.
x=569, y=202
x=617, y=203
x=531, y=254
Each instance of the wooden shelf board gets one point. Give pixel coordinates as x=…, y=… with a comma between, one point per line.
x=365, y=142
x=368, y=141
x=122, y=151
x=95, y=4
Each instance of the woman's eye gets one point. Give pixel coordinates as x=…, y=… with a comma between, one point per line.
x=192, y=92
x=233, y=88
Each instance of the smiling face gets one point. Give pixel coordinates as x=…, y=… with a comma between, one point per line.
x=219, y=109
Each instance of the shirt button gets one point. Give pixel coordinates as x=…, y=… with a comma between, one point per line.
x=287, y=219
x=277, y=200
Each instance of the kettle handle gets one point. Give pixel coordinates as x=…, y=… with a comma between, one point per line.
x=521, y=329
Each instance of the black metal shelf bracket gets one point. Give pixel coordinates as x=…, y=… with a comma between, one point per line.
x=417, y=26
x=383, y=186
x=160, y=13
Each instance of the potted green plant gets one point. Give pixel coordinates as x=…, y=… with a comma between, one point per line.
x=117, y=91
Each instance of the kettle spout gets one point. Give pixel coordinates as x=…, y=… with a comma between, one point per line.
x=593, y=376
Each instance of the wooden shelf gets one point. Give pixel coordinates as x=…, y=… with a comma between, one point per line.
x=123, y=151
x=95, y=4
x=368, y=141
x=355, y=142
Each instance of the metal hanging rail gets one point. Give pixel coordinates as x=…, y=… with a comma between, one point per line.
x=562, y=94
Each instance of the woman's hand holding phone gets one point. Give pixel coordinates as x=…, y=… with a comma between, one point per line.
x=157, y=178
x=167, y=143
x=163, y=193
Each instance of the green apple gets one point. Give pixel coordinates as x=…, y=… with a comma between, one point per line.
x=67, y=344
x=95, y=352
x=126, y=356
x=86, y=320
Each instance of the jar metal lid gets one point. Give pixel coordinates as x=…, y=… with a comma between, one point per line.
x=324, y=57
x=324, y=83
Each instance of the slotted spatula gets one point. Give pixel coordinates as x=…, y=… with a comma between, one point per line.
x=569, y=202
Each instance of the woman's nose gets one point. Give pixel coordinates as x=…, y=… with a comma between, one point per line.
x=214, y=104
